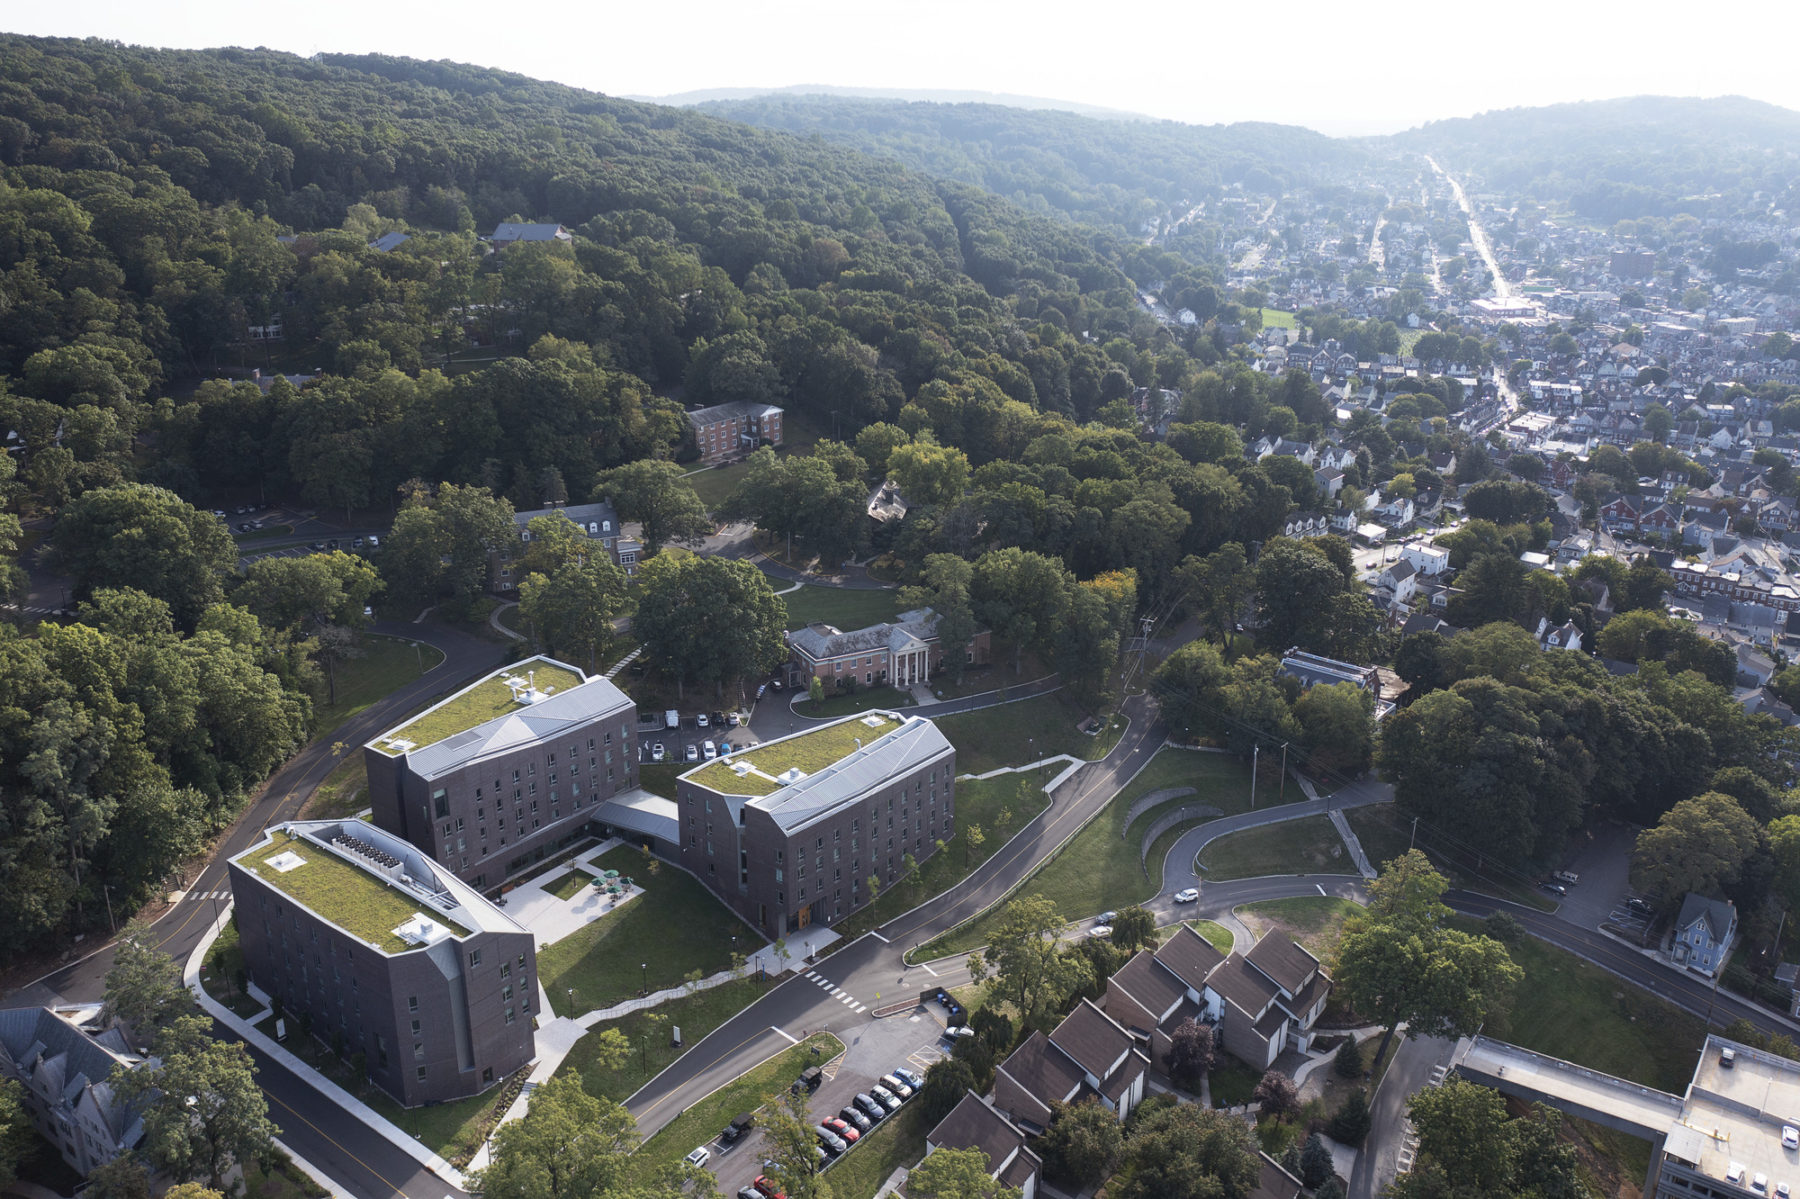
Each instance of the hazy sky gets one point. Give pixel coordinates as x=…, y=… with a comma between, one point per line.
x=1338, y=67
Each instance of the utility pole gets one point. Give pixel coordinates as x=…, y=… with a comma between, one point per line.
x=1415, y=835
x=1254, y=751
x=1283, y=798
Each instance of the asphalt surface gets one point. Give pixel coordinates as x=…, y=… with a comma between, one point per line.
x=1179, y=870
x=363, y=1162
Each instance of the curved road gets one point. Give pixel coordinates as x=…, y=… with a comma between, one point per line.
x=362, y=1162
x=1179, y=871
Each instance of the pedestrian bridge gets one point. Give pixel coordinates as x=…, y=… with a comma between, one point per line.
x=1604, y=1099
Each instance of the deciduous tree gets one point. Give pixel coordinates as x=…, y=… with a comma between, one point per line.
x=1023, y=962
x=1082, y=1145
x=957, y=1174
x=204, y=1112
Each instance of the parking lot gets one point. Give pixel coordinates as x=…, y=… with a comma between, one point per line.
x=675, y=742
x=913, y=1040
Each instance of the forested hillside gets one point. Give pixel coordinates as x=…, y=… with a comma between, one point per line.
x=1613, y=160
x=1112, y=174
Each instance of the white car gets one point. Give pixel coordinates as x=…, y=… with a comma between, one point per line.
x=699, y=1157
x=1790, y=1137
x=657, y=752
x=710, y=750
x=700, y=721
x=1100, y=930
x=693, y=752
x=1189, y=895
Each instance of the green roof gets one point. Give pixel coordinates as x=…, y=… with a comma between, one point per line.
x=362, y=904
x=477, y=704
x=808, y=753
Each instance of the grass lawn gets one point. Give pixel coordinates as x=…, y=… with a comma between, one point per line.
x=897, y=1141
x=387, y=664
x=1027, y=731
x=699, y=1124
x=1221, y=937
x=1315, y=921
x=807, y=752
x=676, y=926
x=1385, y=835
x=278, y=1178
x=1100, y=867
x=1576, y=1011
x=1232, y=1083
x=979, y=803
x=1308, y=846
x=345, y=791
x=571, y=884
x=713, y=485
x=861, y=700
x=511, y=618
x=266, y=533
x=648, y=1032
x=219, y=973
x=840, y=606
x=1275, y=318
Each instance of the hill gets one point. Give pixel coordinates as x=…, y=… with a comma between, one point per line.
x=905, y=94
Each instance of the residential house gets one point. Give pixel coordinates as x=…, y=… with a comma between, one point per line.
x=63, y=1069
x=727, y=431
x=1312, y=669
x=1089, y=1053
x=1702, y=935
x=508, y=233
x=599, y=522
x=1427, y=559
x=1306, y=524
x=1395, y=513
x=974, y=1123
x=1563, y=636
x=1402, y=578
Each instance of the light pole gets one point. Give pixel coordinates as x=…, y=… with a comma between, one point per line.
x=1283, y=797
x=645, y=989
x=571, y=1001
x=107, y=887
x=1410, y=841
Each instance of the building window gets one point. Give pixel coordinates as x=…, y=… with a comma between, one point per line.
x=509, y=1015
x=474, y=958
x=421, y=1073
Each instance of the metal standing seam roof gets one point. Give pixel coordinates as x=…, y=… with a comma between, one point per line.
x=897, y=752
x=542, y=721
x=639, y=811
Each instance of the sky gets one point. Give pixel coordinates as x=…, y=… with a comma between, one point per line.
x=1340, y=68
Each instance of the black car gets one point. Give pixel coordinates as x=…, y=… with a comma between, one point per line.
x=855, y=1118
x=869, y=1107
x=737, y=1128
x=318, y=547
x=718, y=719
x=1641, y=906
x=332, y=544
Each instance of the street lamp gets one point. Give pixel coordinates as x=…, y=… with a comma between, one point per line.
x=645, y=989
x=571, y=1001
x=107, y=887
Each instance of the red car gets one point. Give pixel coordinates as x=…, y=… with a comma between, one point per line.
x=842, y=1129
x=763, y=1184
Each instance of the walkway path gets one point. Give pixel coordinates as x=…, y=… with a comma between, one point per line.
x=1179, y=870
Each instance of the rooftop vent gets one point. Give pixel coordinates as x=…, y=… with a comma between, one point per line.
x=286, y=860
x=791, y=775
x=525, y=690
x=419, y=930
x=873, y=722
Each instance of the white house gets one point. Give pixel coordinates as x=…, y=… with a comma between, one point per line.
x=1427, y=559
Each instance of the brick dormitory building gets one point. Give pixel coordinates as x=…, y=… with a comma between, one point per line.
x=788, y=832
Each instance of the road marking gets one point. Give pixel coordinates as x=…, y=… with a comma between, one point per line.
x=1321, y=889
x=359, y=1161
x=792, y=1040
x=879, y=937
x=928, y=970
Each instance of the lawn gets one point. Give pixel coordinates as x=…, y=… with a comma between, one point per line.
x=860, y=700
x=1316, y=921
x=277, y=1177
x=1570, y=1009
x=676, y=926
x=1232, y=1083
x=699, y=1124
x=266, y=533
x=1385, y=835
x=658, y=778
x=345, y=791
x=1100, y=867
x=571, y=884
x=999, y=806
x=1221, y=937
x=1016, y=733
x=1308, y=846
x=715, y=484
x=808, y=752
x=387, y=664
x=482, y=701
x=897, y=1141
x=841, y=607
x=1275, y=318
x=648, y=1033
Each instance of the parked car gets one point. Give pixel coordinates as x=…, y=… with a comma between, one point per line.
x=1567, y=877
x=317, y=547
x=910, y=1078
x=833, y=1143
x=1106, y=917
x=1188, y=895
x=1642, y=907
x=332, y=544
x=1100, y=930
x=672, y=719
x=850, y=1115
x=843, y=1128
x=775, y=683
x=749, y=1193
x=374, y=542
x=657, y=752
x=359, y=543
x=700, y=1156
x=886, y=1098
x=733, y=719
x=742, y=1124
x=700, y=721
x=718, y=720
x=896, y=1086
x=693, y=752
x=1554, y=888
x=767, y=1188
x=870, y=1107
x=710, y=750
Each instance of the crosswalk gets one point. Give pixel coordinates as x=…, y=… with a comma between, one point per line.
x=837, y=992
x=32, y=610
x=205, y=895
x=622, y=663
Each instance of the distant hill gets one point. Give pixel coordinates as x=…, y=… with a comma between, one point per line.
x=925, y=94
x=1114, y=174
x=1610, y=160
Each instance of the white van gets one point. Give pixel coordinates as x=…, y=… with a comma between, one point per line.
x=672, y=719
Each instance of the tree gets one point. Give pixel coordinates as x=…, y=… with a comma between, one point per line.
x=946, y=1081
x=929, y=473
x=16, y=1132
x=1185, y=1151
x=568, y=1145
x=301, y=595
x=191, y=1190
x=1082, y=1144
x=709, y=619
x=1276, y=1095
x=1315, y=1161
x=1134, y=927
x=956, y=1174
x=204, y=1112
x=1022, y=961
x=1699, y=845
x=124, y=1177
x=790, y=1144
x=1468, y=1145
x=1348, y=1061
x=1337, y=723
x=653, y=493
x=1189, y=687
x=143, y=537
x=1190, y=1053
x=143, y=986
x=1351, y=1124
x=1784, y=845
x=571, y=612
x=944, y=585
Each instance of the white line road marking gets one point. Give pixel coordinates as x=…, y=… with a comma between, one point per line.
x=1321, y=889
x=879, y=937
x=792, y=1040
x=928, y=970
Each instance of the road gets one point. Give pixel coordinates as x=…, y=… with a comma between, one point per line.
x=363, y=1162
x=1477, y=234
